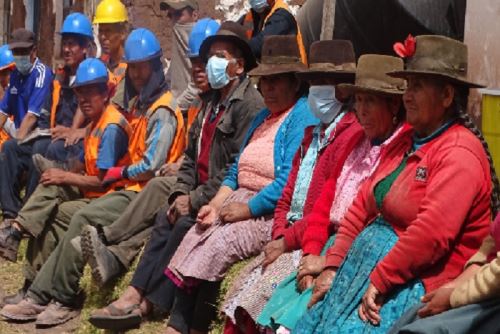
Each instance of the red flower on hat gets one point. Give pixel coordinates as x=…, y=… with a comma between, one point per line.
x=407, y=49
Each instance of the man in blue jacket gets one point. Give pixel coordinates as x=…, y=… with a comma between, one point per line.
x=62, y=124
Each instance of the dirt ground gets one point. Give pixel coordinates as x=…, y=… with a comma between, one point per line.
x=11, y=280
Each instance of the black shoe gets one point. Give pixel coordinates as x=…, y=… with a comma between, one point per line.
x=103, y=262
x=10, y=238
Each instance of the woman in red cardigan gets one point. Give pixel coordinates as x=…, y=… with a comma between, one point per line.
x=424, y=212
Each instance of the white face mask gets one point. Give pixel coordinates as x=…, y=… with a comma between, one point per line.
x=323, y=103
x=258, y=5
x=217, y=72
x=23, y=64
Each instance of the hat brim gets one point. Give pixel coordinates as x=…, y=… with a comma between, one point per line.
x=352, y=89
x=153, y=56
x=405, y=74
x=250, y=61
x=107, y=21
x=20, y=45
x=274, y=69
x=175, y=5
x=315, y=74
x=89, y=83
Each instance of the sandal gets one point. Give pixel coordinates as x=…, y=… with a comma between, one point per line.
x=116, y=318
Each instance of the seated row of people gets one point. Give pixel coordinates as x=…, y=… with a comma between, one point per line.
x=360, y=189
x=370, y=235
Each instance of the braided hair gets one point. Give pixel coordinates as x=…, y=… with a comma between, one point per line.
x=460, y=105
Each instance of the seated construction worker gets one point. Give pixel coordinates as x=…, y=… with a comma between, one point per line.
x=270, y=17
x=183, y=15
x=29, y=84
x=47, y=214
x=59, y=113
x=112, y=18
x=157, y=133
x=221, y=119
x=7, y=65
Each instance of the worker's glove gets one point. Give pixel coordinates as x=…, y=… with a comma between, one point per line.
x=112, y=175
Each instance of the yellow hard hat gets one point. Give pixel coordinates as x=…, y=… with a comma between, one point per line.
x=110, y=11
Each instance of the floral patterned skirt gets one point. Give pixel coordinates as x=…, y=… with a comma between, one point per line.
x=208, y=254
x=254, y=286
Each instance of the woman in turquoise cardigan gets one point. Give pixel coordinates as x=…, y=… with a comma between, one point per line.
x=237, y=222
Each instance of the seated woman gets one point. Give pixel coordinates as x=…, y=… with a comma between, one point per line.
x=469, y=304
x=321, y=156
x=378, y=107
x=236, y=224
x=421, y=215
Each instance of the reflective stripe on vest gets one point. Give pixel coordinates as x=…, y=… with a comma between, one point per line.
x=92, y=141
x=137, y=144
x=279, y=4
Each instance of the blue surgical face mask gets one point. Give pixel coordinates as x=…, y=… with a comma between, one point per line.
x=258, y=5
x=323, y=103
x=23, y=64
x=216, y=72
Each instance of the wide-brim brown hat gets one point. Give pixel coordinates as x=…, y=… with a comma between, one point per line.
x=439, y=56
x=333, y=58
x=234, y=33
x=371, y=76
x=280, y=54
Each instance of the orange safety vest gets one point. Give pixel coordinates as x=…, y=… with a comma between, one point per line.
x=56, y=93
x=193, y=111
x=279, y=4
x=137, y=143
x=4, y=136
x=118, y=73
x=91, y=143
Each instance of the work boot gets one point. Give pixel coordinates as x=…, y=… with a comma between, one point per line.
x=26, y=310
x=103, y=262
x=10, y=238
x=41, y=163
x=18, y=296
x=56, y=314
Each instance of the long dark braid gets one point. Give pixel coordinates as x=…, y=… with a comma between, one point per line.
x=460, y=103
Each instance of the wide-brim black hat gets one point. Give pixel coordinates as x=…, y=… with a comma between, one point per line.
x=234, y=33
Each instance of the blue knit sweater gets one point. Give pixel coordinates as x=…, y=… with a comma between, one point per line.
x=287, y=141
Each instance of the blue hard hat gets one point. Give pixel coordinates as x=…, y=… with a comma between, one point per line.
x=90, y=71
x=77, y=23
x=6, y=57
x=141, y=45
x=202, y=29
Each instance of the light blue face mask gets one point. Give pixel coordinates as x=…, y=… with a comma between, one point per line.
x=258, y=5
x=323, y=103
x=23, y=64
x=216, y=72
